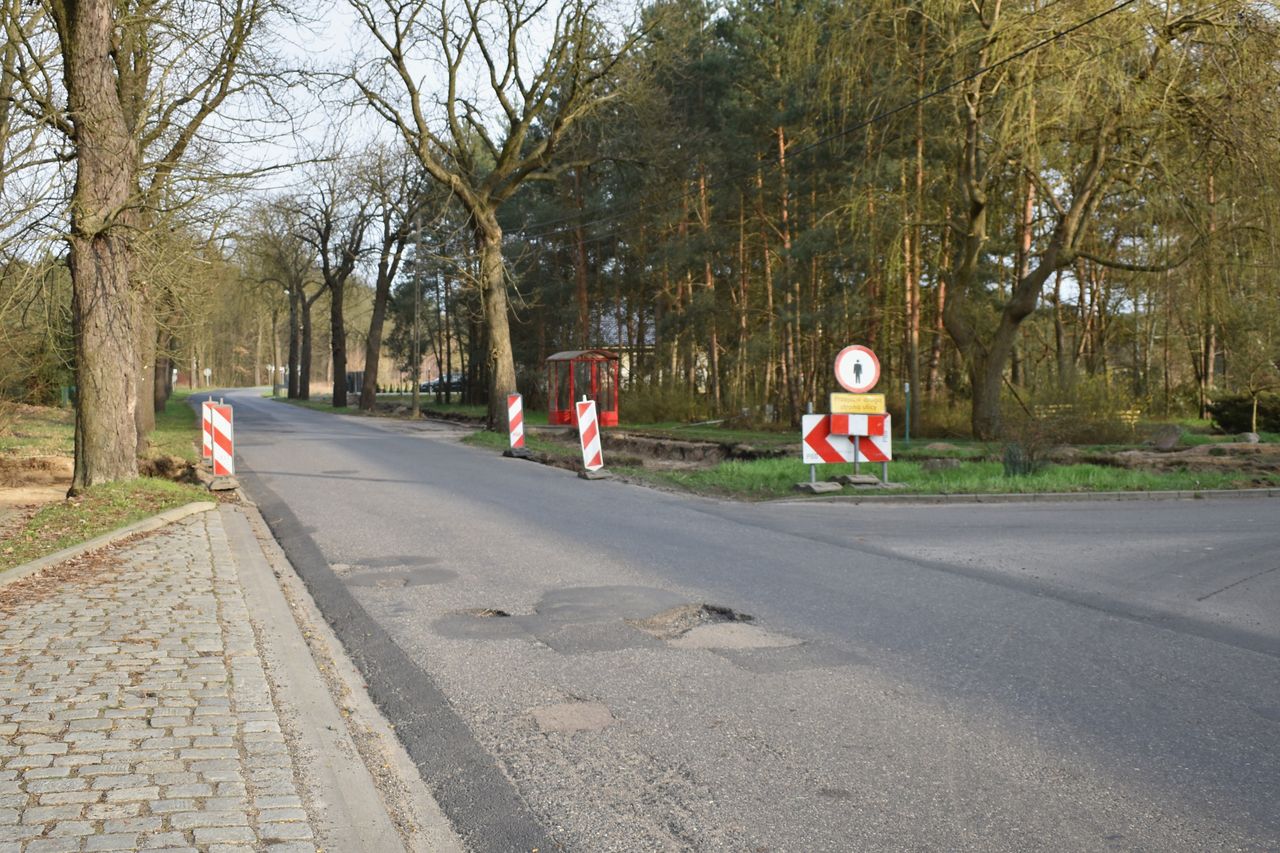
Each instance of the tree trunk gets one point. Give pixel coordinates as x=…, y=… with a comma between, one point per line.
x=295, y=349
x=162, y=384
x=580, y=269
x=106, y=434
x=373, y=344
x=104, y=307
x=498, y=356
x=144, y=415
x=338, y=342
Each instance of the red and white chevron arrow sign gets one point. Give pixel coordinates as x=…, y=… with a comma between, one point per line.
x=821, y=446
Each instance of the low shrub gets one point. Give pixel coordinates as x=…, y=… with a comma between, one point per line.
x=656, y=404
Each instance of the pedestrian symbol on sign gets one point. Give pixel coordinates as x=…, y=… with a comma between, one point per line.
x=857, y=369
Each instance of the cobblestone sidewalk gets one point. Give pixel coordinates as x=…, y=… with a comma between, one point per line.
x=134, y=709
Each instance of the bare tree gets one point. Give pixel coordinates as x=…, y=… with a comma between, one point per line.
x=393, y=180
x=140, y=81
x=483, y=147
x=333, y=218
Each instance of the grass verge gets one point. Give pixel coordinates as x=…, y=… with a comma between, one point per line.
x=36, y=430
x=532, y=442
x=775, y=478
x=177, y=428
x=99, y=510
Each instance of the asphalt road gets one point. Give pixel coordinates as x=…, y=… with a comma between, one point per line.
x=1077, y=676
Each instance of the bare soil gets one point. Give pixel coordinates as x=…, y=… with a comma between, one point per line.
x=1248, y=458
x=28, y=483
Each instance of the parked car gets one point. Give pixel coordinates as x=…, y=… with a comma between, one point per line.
x=452, y=383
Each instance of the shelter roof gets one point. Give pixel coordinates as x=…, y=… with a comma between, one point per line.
x=584, y=355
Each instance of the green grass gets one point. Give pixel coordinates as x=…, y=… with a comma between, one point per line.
x=773, y=478
x=98, y=510
x=36, y=430
x=532, y=442
x=762, y=439
x=177, y=431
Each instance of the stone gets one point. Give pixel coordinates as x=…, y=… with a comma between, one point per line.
x=940, y=445
x=1166, y=438
x=931, y=465
x=1248, y=438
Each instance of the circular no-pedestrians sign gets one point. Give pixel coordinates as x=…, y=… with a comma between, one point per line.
x=857, y=369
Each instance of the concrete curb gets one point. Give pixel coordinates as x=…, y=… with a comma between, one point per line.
x=146, y=525
x=1044, y=497
x=355, y=808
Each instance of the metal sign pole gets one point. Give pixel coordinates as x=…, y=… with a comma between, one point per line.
x=813, y=469
x=906, y=438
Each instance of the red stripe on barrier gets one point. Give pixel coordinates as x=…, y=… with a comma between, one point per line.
x=595, y=462
x=223, y=442
x=870, y=452
x=589, y=434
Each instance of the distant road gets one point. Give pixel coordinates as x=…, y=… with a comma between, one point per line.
x=1079, y=676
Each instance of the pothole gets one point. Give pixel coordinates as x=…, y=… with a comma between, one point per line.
x=485, y=613
x=680, y=620
x=709, y=626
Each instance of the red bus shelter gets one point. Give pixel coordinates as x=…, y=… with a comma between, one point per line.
x=573, y=374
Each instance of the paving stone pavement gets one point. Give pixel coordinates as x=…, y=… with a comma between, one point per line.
x=134, y=709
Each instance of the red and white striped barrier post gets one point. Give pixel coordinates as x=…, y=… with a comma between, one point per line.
x=206, y=430
x=515, y=427
x=589, y=437
x=224, y=463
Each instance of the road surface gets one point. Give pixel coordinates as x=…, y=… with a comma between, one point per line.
x=1085, y=676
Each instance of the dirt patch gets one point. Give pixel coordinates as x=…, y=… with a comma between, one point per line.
x=172, y=468
x=26, y=484
x=35, y=471
x=1247, y=458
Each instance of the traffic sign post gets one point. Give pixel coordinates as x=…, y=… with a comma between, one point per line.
x=858, y=429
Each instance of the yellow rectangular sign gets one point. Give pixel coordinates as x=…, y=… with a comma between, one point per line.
x=857, y=404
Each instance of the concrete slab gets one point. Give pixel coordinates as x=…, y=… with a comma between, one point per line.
x=818, y=488
x=858, y=480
